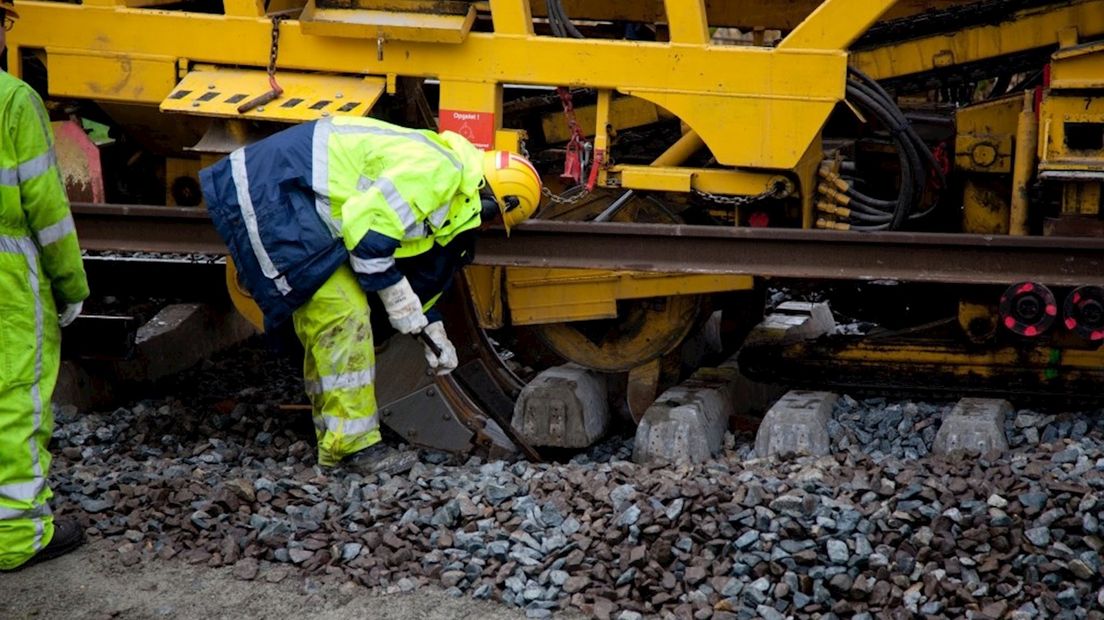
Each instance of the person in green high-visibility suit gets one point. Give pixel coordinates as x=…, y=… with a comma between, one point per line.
x=40, y=270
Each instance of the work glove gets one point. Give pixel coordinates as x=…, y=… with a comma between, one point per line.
x=404, y=309
x=70, y=313
x=446, y=362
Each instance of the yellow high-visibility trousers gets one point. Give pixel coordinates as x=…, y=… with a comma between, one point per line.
x=339, y=366
x=30, y=342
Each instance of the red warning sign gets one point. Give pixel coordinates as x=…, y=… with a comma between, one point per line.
x=477, y=127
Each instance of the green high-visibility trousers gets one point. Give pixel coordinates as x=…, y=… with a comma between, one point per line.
x=339, y=366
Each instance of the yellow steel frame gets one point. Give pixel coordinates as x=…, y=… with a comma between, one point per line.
x=744, y=14
x=1021, y=32
x=778, y=98
x=1045, y=362
x=538, y=295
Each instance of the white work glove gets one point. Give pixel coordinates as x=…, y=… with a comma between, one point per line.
x=70, y=313
x=446, y=362
x=404, y=309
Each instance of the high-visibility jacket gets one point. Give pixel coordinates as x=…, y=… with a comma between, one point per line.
x=40, y=268
x=32, y=193
x=296, y=205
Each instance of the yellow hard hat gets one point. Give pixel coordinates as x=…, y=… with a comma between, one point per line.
x=515, y=184
x=9, y=7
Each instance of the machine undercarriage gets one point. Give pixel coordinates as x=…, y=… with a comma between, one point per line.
x=946, y=154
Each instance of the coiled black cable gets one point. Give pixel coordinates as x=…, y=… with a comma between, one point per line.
x=915, y=158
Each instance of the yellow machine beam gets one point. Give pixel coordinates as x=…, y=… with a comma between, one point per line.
x=388, y=25
x=1020, y=32
x=825, y=27
x=746, y=14
x=625, y=113
x=537, y=295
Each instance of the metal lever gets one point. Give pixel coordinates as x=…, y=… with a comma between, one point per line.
x=428, y=342
x=258, y=101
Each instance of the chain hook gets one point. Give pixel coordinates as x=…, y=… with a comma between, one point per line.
x=274, y=91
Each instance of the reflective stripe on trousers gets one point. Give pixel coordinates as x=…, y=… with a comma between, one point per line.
x=343, y=381
x=29, y=485
x=339, y=366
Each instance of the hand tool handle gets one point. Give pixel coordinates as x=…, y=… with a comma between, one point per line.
x=427, y=341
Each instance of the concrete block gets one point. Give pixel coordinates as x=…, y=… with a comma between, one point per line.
x=687, y=423
x=793, y=321
x=975, y=424
x=796, y=425
x=180, y=336
x=563, y=407
x=81, y=386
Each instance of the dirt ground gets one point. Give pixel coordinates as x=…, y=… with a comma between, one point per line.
x=90, y=584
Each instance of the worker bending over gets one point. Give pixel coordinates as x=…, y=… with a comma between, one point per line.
x=324, y=214
x=40, y=268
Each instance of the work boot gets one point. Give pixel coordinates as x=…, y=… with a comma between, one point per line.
x=68, y=535
x=380, y=458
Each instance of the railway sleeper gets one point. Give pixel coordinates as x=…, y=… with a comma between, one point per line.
x=176, y=338
x=687, y=423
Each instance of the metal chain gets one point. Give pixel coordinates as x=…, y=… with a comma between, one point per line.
x=569, y=197
x=578, y=192
x=577, y=146
x=276, y=19
x=274, y=91
x=738, y=201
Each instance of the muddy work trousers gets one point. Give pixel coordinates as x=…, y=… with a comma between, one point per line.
x=339, y=367
x=29, y=357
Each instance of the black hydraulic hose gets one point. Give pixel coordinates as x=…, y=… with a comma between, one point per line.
x=877, y=203
x=863, y=217
x=873, y=85
x=563, y=27
x=867, y=200
x=874, y=89
x=868, y=210
x=890, y=115
x=905, y=152
x=912, y=149
x=553, y=22
x=871, y=228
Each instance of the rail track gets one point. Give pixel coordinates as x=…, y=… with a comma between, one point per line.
x=830, y=255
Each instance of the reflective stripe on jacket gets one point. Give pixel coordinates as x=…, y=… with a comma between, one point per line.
x=297, y=204
x=32, y=194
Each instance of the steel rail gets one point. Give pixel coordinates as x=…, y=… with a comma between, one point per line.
x=144, y=228
x=768, y=252
x=789, y=253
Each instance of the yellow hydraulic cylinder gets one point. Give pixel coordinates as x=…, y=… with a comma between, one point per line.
x=681, y=150
x=1027, y=139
